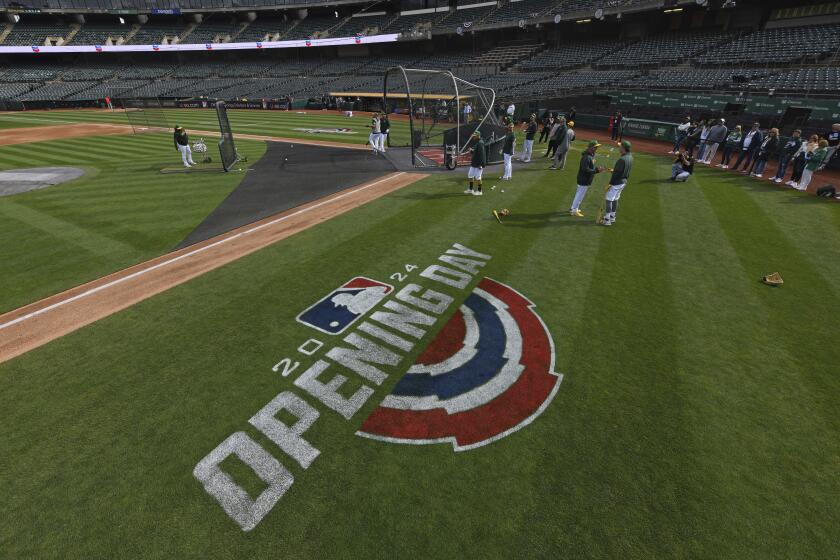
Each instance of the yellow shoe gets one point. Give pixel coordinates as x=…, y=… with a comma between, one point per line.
x=576, y=213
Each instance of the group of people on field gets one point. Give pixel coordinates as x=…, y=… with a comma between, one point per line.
x=749, y=151
x=559, y=133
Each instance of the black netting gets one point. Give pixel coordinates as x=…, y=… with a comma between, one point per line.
x=227, y=148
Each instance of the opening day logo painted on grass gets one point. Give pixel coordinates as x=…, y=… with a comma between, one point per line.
x=488, y=373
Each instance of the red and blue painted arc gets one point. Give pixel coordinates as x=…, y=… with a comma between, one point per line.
x=488, y=373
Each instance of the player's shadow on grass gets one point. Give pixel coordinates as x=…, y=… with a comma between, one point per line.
x=543, y=219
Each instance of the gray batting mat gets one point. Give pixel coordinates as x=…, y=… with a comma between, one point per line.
x=19, y=181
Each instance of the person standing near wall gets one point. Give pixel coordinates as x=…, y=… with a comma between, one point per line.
x=733, y=140
x=680, y=133
x=750, y=144
x=814, y=164
x=801, y=157
x=786, y=154
x=769, y=146
x=717, y=136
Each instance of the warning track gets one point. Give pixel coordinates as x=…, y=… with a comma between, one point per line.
x=36, y=324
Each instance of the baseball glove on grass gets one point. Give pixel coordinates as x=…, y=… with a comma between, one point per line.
x=774, y=279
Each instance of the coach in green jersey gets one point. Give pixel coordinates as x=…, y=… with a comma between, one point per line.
x=586, y=174
x=620, y=176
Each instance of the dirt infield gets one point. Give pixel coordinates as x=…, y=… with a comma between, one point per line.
x=58, y=132
x=36, y=324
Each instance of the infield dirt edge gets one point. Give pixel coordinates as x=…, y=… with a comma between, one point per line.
x=38, y=323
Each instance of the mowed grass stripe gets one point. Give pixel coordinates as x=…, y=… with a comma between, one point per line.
x=729, y=344
x=80, y=236
x=762, y=248
x=123, y=210
x=532, y=252
x=622, y=386
x=803, y=219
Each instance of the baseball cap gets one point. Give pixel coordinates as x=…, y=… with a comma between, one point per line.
x=476, y=133
x=593, y=144
x=626, y=145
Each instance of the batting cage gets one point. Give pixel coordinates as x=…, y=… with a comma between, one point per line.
x=227, y=148
x=443, y=110
x=143, y=114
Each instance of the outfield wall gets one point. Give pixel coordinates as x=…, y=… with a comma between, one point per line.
x=821, y=109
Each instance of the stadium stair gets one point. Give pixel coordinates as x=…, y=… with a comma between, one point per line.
x=128, y=36
x=331, y=32
x=242, y=27
x=283, y=35
x=390, y=22
x=74, y=30
x=7, y=28
x=187, y=32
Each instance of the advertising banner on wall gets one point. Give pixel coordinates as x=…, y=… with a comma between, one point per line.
x=822, y=109
x=297, y=43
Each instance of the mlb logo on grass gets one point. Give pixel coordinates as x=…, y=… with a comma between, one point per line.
x=346, y=305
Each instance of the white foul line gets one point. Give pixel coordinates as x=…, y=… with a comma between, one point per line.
x=133, y=275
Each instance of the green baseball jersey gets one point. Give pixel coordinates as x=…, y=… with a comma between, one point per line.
x=510, y=138
x=621, y=171
x=479, y=155
x=181, y=138
x=587, y=169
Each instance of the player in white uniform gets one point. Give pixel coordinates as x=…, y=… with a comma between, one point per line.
x=479, y=160
x=374, y=133
x=384, y=127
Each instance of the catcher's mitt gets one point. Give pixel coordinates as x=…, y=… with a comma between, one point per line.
x=774, y=279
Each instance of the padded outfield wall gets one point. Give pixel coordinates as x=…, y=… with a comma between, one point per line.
x=821, y=109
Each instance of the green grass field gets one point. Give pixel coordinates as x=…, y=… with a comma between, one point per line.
x=697, y=417
x=267, y=123
x=121, y=212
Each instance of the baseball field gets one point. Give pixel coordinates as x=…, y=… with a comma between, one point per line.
x=654, y=398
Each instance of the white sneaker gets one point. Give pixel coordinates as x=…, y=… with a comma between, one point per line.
x=794, y=185
x=468, y=191
x=719, y=165
x=776, y=180
x=477, y=193
x=758, y=176
x=724, y=167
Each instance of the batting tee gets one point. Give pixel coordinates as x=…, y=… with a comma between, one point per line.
x=439, y=130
